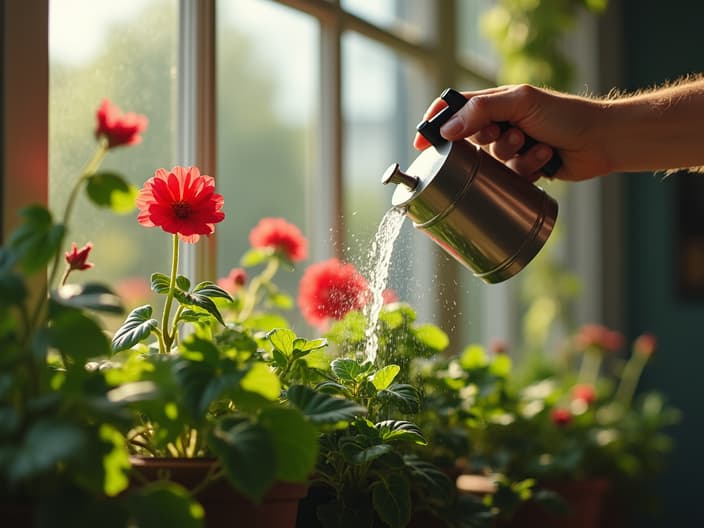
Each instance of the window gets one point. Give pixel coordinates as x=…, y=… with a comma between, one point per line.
x=313, y=101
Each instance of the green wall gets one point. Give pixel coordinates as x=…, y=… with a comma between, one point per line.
x=663, y=41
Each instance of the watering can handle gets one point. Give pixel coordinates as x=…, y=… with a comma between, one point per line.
x=430, y=129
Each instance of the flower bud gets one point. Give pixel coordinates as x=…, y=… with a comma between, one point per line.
x=645, y=345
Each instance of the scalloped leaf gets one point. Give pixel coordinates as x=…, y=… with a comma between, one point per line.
x=247, y=454
x=393, y=430
x=384, y=377
x=283, y=340
x=295, y=440
x=212, y=290
x=201, y=301
x=183, y=282
x=160, y=283
x=347, y=369
x=137, y=327
x=403, y=396
x=322, y=408
x=391, y=497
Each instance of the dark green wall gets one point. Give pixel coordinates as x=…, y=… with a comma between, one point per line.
x=663, y=41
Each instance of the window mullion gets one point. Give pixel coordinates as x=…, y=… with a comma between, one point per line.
x=325, y=191
x=196, y=115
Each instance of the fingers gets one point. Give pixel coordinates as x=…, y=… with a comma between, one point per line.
x=529, y=164
x=420, y=143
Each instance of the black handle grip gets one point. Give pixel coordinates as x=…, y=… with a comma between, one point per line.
x=430, y=129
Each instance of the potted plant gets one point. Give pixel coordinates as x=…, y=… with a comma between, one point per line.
x=64, y=459
x=563, y=443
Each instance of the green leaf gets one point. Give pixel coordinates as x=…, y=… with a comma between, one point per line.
x=212, y=290
x=136, y=328
x=384, y=377
x=473, y=357
x=254, y=257
x=48, y=442
x=500, y=366
x=432, y=337
x=434, y=484
x=12, y=288
x=295, y=440
x=393, y=430
x=164, y=503
x=347, y=369
x=265, y=322
x=283, y=340
x=403, y=396
x=76, y=335
x=36, y=241
x=110, y=189
x=356, y=451
x=116, y=463
x=201, y=301
x=281, y=300
x=321, y=408
x=391, y=497
x=260, y=379
x=303, y=347
x=91, y=296
x=183, y=282
x=160, y=283
x=247, y=454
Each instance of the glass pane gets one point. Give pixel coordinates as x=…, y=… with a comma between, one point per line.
x=383, y=99
x=126, y=53
x=471, y=41
x=267, y=104
x=406, y=17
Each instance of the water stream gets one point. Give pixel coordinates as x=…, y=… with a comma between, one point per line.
x=380, y=258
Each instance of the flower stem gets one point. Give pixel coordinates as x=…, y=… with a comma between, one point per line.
x=629, y=379
x=589, y=370
x=256, y=283
x=168, y=337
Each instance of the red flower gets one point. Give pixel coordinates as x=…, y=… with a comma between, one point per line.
x=182, y=202
x=77, y=259
x=584, y=393
x=645, y=345
x=560, y=416
x=119, y=128
x=234, y=280
x=281, y=236
x=600, y=337
x=389, y=296
x=329, y=290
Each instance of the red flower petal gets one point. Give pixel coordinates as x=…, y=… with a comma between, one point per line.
x=182, y=202
x=119, y=128
x=279, y=235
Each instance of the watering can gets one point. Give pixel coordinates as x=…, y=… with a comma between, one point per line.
x=476, y=208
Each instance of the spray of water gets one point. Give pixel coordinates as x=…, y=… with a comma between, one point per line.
x=380, y=258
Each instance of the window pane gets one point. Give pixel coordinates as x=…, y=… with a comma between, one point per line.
x=127, y=53
x=267, y=67
x=383, y=99
x=406, y=17
x=471, y=41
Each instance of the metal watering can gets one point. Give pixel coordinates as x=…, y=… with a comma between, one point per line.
x=475, y=207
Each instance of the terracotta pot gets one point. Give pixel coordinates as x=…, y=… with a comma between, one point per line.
x=223, y=505
x=585, y=499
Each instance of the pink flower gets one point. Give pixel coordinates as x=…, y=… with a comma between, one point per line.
x=329, y=290
x=234, y=280
x=600, y=337
x=561, y=416
x=182, y=202
x=281, y=236
x=77, y=259
x=119, y=128
x=584, y=393
x=645, y=345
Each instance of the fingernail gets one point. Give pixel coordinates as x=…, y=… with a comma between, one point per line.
x=452, y=127
x=542, y=154
x=513, y=139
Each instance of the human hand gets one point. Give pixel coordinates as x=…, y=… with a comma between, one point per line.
x=555, y=120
